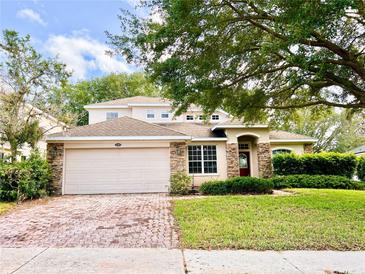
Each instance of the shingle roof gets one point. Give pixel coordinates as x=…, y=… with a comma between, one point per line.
x=132, y=100
x=124, y=126
x=285, y=135
x=359, y=149
x=195, y=129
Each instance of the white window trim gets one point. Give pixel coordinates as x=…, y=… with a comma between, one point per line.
x=215, y=119
x=202, y=162
x=111, y=112
x=150, y=112
x=165, y=112
x=282, y=148
x=192, y=116
x=244, y=149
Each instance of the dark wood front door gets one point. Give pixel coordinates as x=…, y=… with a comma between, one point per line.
x=244, y=161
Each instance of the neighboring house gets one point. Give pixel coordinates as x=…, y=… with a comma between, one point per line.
x=47, y=123
x=359, y=151
x=134, y=144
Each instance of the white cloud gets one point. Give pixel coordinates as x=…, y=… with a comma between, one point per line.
x=31, y=15
x=83, y=55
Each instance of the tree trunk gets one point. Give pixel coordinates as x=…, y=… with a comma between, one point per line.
x=14, y=151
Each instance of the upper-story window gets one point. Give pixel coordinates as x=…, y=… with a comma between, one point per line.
x=111, y=115
x=189, y=117
x=215, y=117
x=150, y=114
x=165, y=115
x=200, y=117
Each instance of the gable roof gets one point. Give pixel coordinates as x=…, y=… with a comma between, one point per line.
x=124, y=128
x=131, y=100
x=360, y=149
x=281, y=135
x=196, y=130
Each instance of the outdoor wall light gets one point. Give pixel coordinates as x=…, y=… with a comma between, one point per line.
x=178, y=150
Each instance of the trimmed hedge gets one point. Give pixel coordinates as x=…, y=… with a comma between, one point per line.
x=237, y=185
x=316, y=181
x=324, y=163
x=361, y=168
x=24, y=180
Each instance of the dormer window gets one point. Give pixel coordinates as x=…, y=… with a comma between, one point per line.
x=189, y=117
x=150, y=114
x=111, y=115
x=215, y=117
x=165, y=115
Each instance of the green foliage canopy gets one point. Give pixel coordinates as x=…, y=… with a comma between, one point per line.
x=249, y=56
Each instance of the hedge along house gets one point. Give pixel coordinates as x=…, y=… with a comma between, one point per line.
x=133, y=145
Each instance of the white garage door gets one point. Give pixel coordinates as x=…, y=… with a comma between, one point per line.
x=93, y=171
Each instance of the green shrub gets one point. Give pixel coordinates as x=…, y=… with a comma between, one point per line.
x=24, y=180
x=237, y=185
x=315, y=181
x=180, y=184
x=361, y=168
x=324, y=163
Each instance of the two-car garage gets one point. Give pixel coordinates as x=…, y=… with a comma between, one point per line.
x=123, y=155
x=116, y=170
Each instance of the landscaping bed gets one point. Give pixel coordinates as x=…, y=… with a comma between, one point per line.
x=315, y=219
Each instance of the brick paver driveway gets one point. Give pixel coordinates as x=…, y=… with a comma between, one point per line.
x=92, y=221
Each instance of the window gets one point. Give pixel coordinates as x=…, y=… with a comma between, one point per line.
x=165, y=115
x=243, y=146
x=111, y=115
x=189, y=117
x=150, y=114
x=23, y=158
x=215, y=117
x=2, y=155
x=281, y=151
x=202, y=159
x=200, y=117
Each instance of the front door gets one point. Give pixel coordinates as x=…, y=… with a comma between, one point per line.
x=244, y=161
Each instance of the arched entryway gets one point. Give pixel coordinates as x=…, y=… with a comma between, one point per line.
x=247, y=154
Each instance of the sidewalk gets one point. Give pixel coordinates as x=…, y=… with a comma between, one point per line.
x=148, y=260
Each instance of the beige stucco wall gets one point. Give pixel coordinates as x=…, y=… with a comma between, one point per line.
x=198, y=179
x=140, y=112
x=261, y=133
x=295, y=148
x=99, y=115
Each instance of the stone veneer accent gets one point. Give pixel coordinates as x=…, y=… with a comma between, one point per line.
x=233, y=169
x=264, y=160
x=308, y=148
x=177, y=160
x=55, y=153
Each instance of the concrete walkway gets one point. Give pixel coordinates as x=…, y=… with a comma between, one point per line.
x=160, y=260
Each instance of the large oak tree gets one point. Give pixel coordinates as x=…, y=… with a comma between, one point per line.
x=249, y=56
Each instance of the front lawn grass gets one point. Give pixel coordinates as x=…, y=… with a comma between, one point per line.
x=311, y=219
x=5, y=206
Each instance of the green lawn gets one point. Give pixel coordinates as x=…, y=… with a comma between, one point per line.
x=4, y=206
x=311, y=219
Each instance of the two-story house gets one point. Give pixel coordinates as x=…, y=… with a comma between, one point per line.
x=133, y=145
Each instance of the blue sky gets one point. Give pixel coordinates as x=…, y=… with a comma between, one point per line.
x=73, y=30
